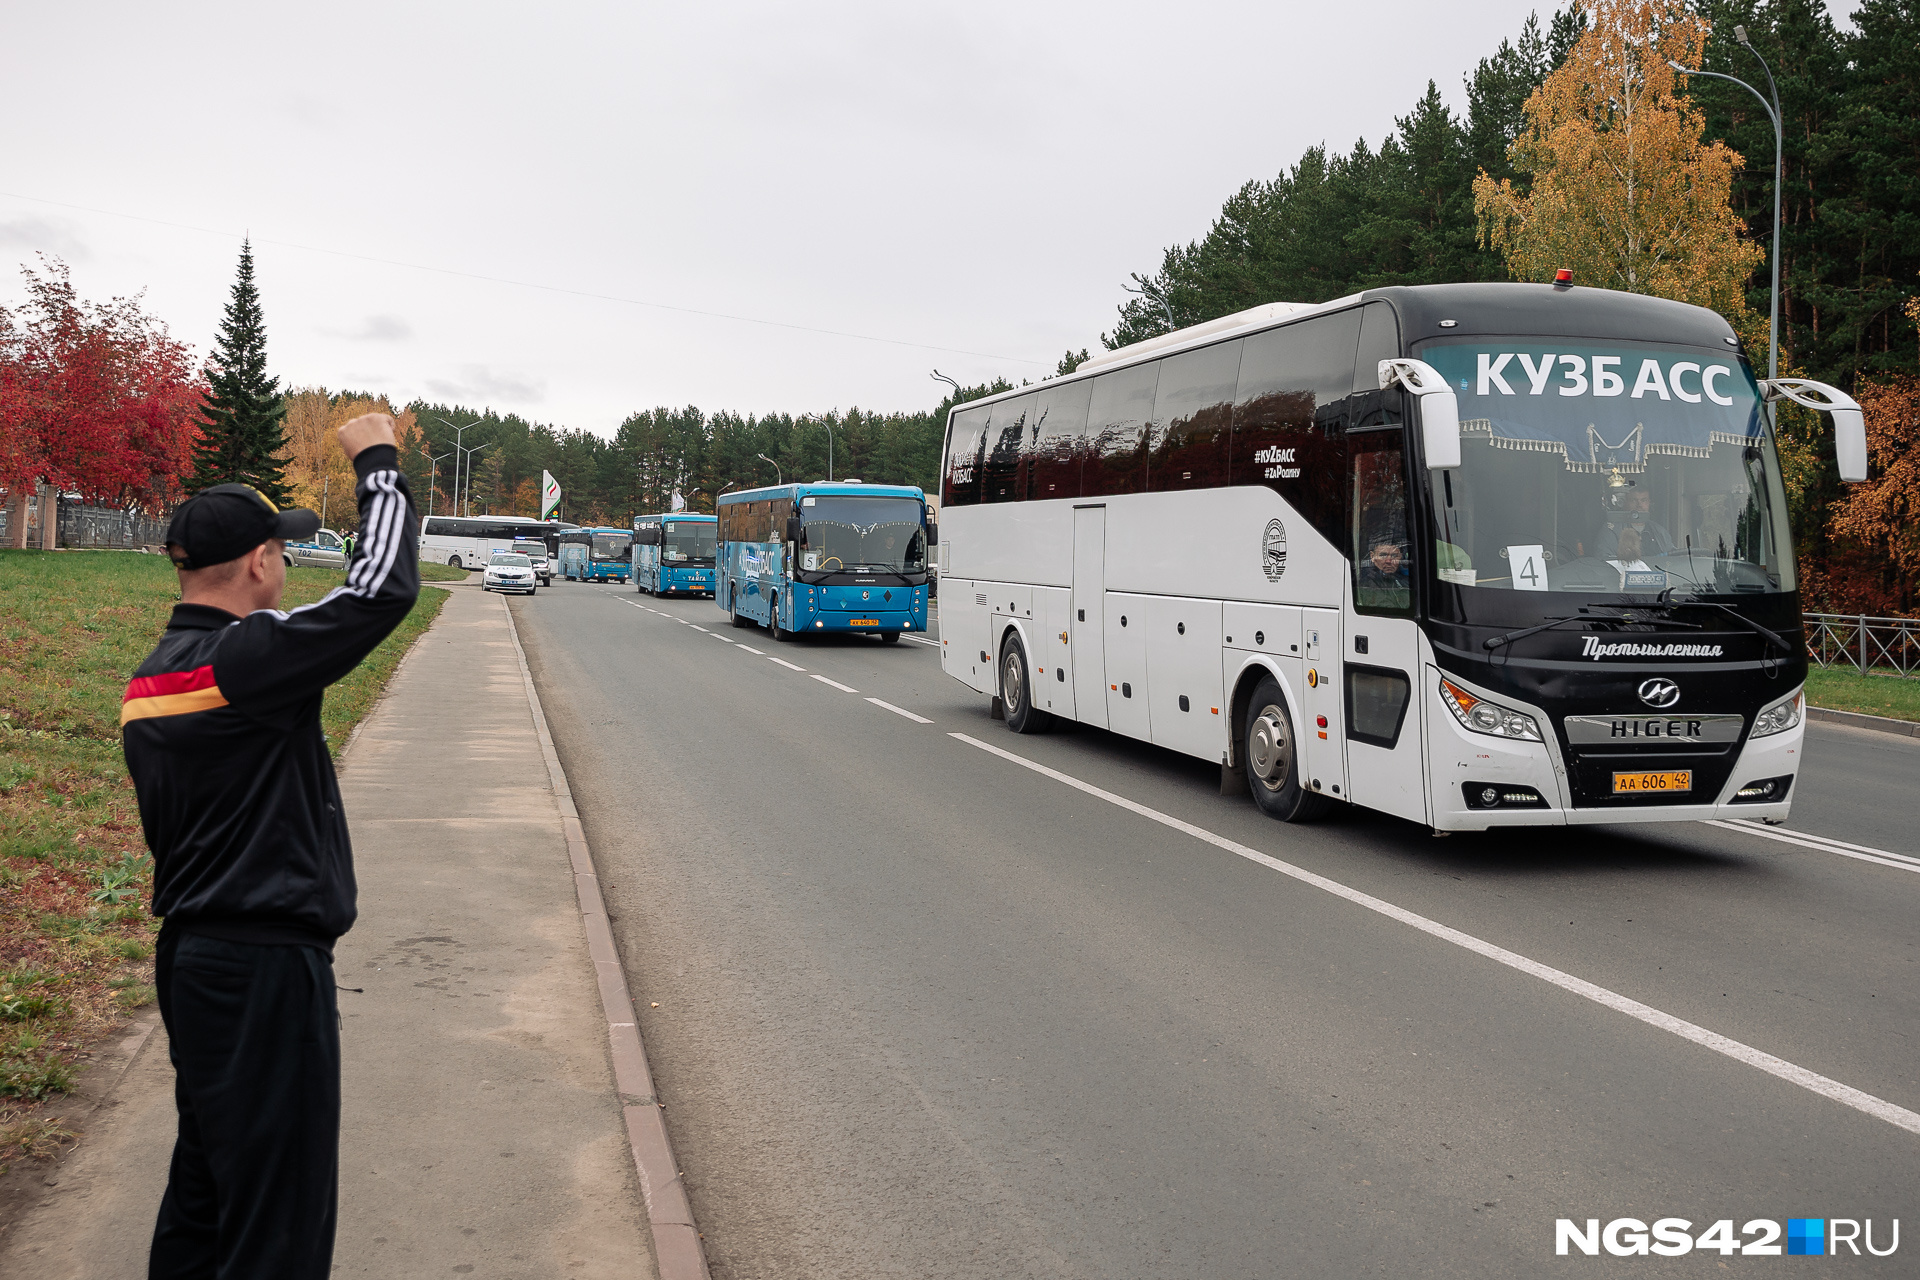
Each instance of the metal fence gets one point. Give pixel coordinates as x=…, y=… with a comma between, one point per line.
x=1863, y=643
x=109, y=527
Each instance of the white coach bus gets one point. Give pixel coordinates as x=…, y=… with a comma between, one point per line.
x=469, y=542
x=1474, y=555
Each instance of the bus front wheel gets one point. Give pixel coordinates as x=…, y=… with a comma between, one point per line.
x=733, y=611
x=1272, y=759
x=779, y=632
x=453, y=562
x=891, y=637
x=1016, y=690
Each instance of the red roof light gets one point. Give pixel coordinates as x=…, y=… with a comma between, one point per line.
x=1563, y=276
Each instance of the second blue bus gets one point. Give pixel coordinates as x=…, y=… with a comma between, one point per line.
x=673, y=553
x=596, y=555
x=811, y=558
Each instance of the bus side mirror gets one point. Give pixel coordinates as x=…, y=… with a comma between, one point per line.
x=1849, y=423
x=1439, y=409
x=933, y=535
x=793, y=528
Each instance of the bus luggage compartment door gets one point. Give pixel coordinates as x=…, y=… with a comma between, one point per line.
x=1086, y=616
x=1183, y=668
x=1126, y=653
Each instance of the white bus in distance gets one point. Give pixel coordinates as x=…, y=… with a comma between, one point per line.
x=1473, y=555
x=469, y=542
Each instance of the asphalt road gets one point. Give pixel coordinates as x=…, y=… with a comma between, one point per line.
x=918, y=1010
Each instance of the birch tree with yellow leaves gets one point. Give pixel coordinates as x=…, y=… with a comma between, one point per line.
x=317, y=470
x=1622, y=187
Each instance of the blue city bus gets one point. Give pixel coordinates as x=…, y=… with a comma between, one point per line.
x=596, y=555
x=673, y=553
x=810, y=558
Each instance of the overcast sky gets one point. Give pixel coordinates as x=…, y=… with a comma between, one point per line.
x=971, y=183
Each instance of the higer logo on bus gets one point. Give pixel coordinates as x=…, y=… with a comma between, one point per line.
x=1512, y=373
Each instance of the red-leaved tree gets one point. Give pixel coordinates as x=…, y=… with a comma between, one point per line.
x=95, y=398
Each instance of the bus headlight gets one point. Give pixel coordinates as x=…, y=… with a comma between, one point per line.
x=1485, y=717
x=1778, y=718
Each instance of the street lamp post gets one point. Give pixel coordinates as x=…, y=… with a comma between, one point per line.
x=778, y=477
x=433, y=477
x=829, y=426
x=1773, y=113
x=468, y=509
x=1146, y=292
x=459, y=434
x=941, y=377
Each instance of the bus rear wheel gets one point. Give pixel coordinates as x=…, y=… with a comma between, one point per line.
x=1016, y=690
x=890, y=637
x=453, y=562
x=733, y=613
x=1272, y=760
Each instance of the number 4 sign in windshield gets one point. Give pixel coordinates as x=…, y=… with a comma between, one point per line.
x=1529, y=566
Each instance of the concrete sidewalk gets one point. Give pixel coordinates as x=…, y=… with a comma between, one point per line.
x=482, y=1134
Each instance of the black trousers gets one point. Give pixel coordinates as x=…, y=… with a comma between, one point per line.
x=254, y=1037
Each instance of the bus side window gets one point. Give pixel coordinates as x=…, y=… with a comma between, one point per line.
x=1382, y=559
x=1379, y=340
x=1053, y=459
x=1115, y=444
x=1006, y=442
x=1288, y=416
x=1193, y=418
x=960, y=484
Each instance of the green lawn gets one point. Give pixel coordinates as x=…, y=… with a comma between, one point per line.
x=75, y=936
x=1844, y=689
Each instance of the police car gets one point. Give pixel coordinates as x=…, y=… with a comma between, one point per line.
x=325, y=550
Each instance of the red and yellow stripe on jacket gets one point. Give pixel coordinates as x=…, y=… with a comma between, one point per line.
x=171, y=693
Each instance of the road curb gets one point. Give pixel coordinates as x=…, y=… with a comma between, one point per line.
x=676, y=1240
x=1859, y=720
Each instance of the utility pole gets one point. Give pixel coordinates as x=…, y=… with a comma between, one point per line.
x=777, y=474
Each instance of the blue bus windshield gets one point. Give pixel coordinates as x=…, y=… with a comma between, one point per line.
x=849, y=533
x=611, y=546
x=687, y=541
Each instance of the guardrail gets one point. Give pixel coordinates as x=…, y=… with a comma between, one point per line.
x=1863, y=643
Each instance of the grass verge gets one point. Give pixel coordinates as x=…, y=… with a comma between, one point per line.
x=76, y=940
x=1894, y=696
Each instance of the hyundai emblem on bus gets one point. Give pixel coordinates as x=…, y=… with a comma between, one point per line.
x=1273, y=544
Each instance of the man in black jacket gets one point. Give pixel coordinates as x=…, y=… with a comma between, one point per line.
x=252, y=869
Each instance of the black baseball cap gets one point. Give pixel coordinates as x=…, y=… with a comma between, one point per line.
x=226, y=521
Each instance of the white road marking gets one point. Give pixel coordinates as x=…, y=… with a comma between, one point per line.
x=750, y=649
x=721, y=639
x=917, y=640
x=1846, y=1095
x=844, y=688
x=899, y=711
x=1821, y=843
x=697, y=627
x=783, y=662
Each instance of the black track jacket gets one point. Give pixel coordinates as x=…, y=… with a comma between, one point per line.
x=221, y=727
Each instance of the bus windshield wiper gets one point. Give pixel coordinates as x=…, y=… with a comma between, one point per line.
x=1586, y=615
x=1735, y=614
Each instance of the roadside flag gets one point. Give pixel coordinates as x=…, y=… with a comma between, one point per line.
x=549, y=495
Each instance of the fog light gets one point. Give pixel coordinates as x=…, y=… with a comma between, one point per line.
x=1764, y=790
x=1499, y=795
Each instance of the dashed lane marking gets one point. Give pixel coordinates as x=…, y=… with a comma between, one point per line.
x=750, y=649
x=899, y=711
x=1846, y=1095
x=844, y=688
x=783, y=662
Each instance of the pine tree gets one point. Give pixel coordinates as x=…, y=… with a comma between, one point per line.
x=243, y=428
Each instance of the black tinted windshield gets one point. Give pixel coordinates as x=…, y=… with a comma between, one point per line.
x=1607, y=468
x=849, y=534
x=687, y=541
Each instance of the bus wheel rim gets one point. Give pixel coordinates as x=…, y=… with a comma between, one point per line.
x=1269, y=749
x=1015, y=682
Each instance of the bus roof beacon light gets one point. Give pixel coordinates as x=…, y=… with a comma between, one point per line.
x=1563, y=278
x=1439, y=409
x=1849, y=423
